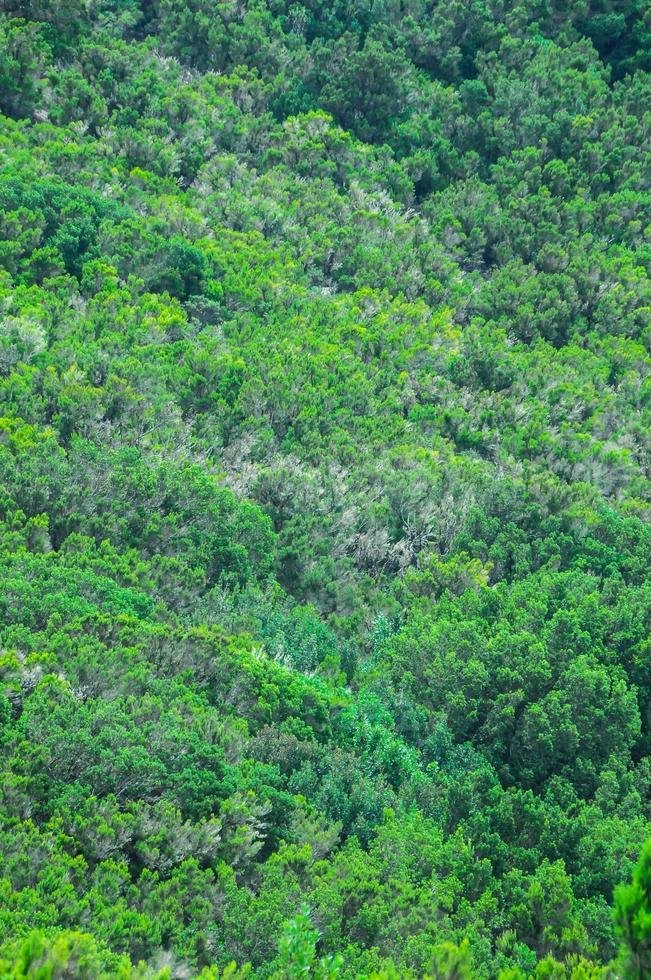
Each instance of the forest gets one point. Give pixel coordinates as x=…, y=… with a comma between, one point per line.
x=325, y=489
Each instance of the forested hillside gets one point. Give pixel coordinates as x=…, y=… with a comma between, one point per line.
x=325, y=490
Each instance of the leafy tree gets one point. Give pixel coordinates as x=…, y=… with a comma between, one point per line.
x=634, y=918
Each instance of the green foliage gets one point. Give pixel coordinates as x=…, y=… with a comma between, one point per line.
x=297, y=953
x=633, y=917
x=324, y=489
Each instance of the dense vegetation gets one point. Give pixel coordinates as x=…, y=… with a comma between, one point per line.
x=325, y=489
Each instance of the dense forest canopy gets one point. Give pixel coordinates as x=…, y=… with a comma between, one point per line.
x=325, y=489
